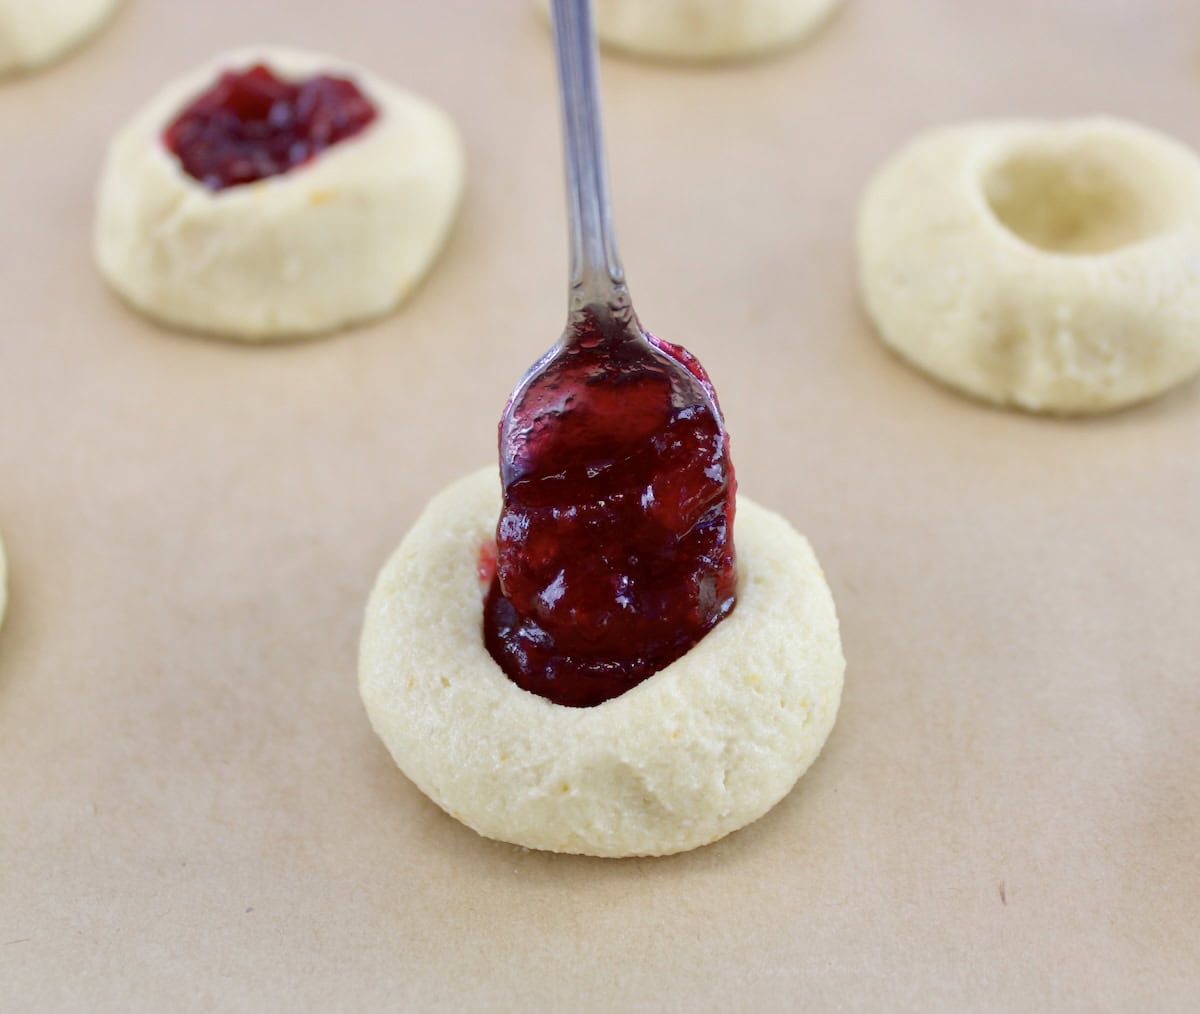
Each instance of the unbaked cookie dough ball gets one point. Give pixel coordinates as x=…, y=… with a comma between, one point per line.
x=37, y=32
x=341, y=236
x=1054, y=266
x=700, y=749
x=701, y=30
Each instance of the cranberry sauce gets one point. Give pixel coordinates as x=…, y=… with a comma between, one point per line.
x=614, y=549
x=251, y=124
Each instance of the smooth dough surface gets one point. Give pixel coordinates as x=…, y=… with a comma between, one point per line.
x=698, y=750
x=705, y=29
x=3, y=582
x=338, y=240
x=1050, y=265
x=35, y=32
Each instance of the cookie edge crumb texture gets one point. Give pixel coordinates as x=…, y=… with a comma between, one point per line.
x=958, y=295
x=338, y=241
x=700, y=749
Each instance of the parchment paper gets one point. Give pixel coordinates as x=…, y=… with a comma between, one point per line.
x=194, y=813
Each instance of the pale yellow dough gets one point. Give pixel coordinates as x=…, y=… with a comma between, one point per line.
x=1053, y=266
x=3, y=582
x=705, y=29
x=37, y=32
x=698, y=750
x=341, y=239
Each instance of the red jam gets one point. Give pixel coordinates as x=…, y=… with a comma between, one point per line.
x=252, y=124
x=614, y=549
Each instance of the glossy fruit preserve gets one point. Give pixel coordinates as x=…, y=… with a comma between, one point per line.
x=614, y=549
x=251, y=124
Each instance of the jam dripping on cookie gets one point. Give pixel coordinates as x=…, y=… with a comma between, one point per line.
x=614, y=549
x=251, y=124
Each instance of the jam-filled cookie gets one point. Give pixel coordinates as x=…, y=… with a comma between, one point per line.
x=1049, y=265
x=606, y=651
x=37, y=32
x=275, y=194
x=698, y=749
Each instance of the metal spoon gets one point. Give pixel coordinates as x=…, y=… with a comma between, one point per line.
x=600, y=313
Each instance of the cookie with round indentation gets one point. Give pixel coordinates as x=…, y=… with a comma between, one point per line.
x=700, y=749
x=1054, y=266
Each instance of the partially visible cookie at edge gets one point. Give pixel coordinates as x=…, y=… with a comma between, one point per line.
x=36, y=33
x=700, y=31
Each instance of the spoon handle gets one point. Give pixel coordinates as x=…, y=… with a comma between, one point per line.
x=597, y=279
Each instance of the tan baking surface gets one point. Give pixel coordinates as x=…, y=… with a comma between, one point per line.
x=193, y=811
